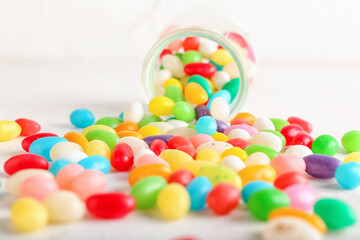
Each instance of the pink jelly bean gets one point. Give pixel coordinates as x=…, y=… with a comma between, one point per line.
x=199, y=139
x=302, y=196
x=284, y=163
x=67, y=174
x=38, y=187
x=148, y=159
x=88, y=182
x=250, y=129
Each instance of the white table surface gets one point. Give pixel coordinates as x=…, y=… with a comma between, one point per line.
x=47, y=91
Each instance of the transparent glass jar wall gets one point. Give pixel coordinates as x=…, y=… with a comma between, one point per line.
x=226, y=35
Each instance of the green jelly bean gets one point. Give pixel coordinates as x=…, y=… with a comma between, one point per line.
x=184, y=111
x=161, y=67
x=191, y=57
x=335, y=213
x=112, y=122
x=218, y=67
x=326, y=145
x=204, y=84
x=262, y=202
x=351, y=141
x=192, y=126
x=279, y=123
x=283, y=139
x=233, y=87
x=146, y=190
x=148, y=119
x=107, y=137
x=174, y=93
x=179, y=55
x=271, y=153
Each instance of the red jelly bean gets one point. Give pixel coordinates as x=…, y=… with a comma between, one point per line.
x=25, y=144
x=25, y=161
x=110, y=205
x=191, y=43
x=188, y=149
x=28, y=127
x=290, y=131
x=223, y=198
x=164, y=52
x=238, y=142
x=181, y=176
x=178, y=141
x=122, y=157
x=290, y=178
x=158, y=145
x=301, y=122
x=240, y=121
x=303, y=138
x=204, y=69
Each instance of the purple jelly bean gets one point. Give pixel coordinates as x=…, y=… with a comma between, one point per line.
x=221, y=126
x=321, y=166
x=150, y=139
x=201, y=110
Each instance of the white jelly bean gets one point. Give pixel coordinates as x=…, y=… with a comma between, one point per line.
x=135, y=143
x=220, y=109
x=299, y=150
x=174, y=65
x=207, y=48
x=182, y=131
x=73, y=156
x=142, y=152
x=162, y=76
x=62, y=147
x=257, y=158
x=216, y=145
x=267, y=139
x=263, y=123
x=162, y=126
x=233, y=162
x=240, y=133
x=232, y=69
x=134, y=112
x=220, y=78
x=177, y=123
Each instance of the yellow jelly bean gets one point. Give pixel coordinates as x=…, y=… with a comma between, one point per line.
x=257, y=172
x=28, y=214
x=96, y=127
x=9, y=130
x=195, y=93
x=174, y=82
x=221, y=57
x=175, y=158
x=173, y=201
x=208, y=154
x=161, y=106
x=236, y=151
x=352, y=157
x=149, y=131
x=76, y=137
x=195, y=166
x=220, y=174
x=220, y=137
x=97, y=147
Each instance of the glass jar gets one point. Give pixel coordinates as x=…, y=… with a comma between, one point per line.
x=225, y=35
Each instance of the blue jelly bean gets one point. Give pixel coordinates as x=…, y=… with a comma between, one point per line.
x=253, y=187
x=42, y=146
x=348, y=175
x=206, y=125
x=58, y=165
x=82, y=118
x=225, y=94
x=218, y=67
x=96, y=162
x=121, y=116
x=198, y=190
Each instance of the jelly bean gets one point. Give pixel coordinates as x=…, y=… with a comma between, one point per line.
x=263, y=123
x=236, y=152
x=250, y=129
x=207, y=47
x=206, y=125
x=233, y=87
x=223, y=198
x=97, y=127
x=191, y=43
x=122, y=134
x=9, y=130
x=149, y=159
x=139, y=173
x=146, y=191
x=195, y=166
x=110, y=205
x=220, y=137
x=76, y=138
x=173, y=201
x=64, y=207
x=348, y=175
x=191, y=57
x=222, y=57
x=351, y=141
x=220, y=109
x=233, y=162
x=158, y=146
x=220, y=174
x=301, y=122
x=165, y=138
x=182, y=131
x=136, y=144
x=112, y=122
x=184, y=111
x=257, y=172
x=97, y=147
x=352, y=157
x=199, y=68
x=162, y=76
x=290, y=131
x=181, y=176
x=25, y=161
x=161, y=106
x=188, y=149
x=239, y=133
x=220, y=78
x=141, y=153
x=221, y=126
x=253, y=187
x=88, y=183
x=198, y=190
x=121, y=116
x=149, y=131
x=279, y=123
x=107, y=137
x=177, y=123
x=127, y=126
x=199, y=139
x=177, y=141
x=267, y=139
x=61, y=147
x=290, y=178
x=67, y=174
x=195, y=94
x=147, y=119
x=175, y=158
x=25, y=144
x=134, y=112
x=174, y=65
x=262, y=202
x=97, y=162
x=164, y=52
x=172, y=82
x=321, y=166
x=174, y=93
x=28, y=126
x=257, y=158
x=220, y=147
x=335, y=213
x=73, y=156
x=42, y=146
x=302, y=196
x=246, y=116
x=162, y=126
x=57, y=165
x=238, y=142
x=326, y=145
x=82, y=118
x=271, y=153
x=122, y=157
x=203, y=83
x=201, y=111
x=299, y=150
x=27, y=214
x=287, y=163
x=38, y=187
x=222, y=94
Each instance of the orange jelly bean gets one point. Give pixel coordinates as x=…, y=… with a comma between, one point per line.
x=257, y=172
x=127, y=126
x=148, y=170
x=243, y=115
x=76, y=138
x=127, y=133
x=195, y=93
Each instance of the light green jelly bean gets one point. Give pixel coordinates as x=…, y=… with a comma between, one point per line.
x=220, y=174
x=271, y=153
x=233, y=87
x=148, y=119
x=174, y=93
x=283, y=139
x=279, y=123
x=192, y=126
x=351, y=141
x=107, y=137
x=184, y=111
x=179, y=55
x=191, y=57
x=112, y=122
x=203, y=83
